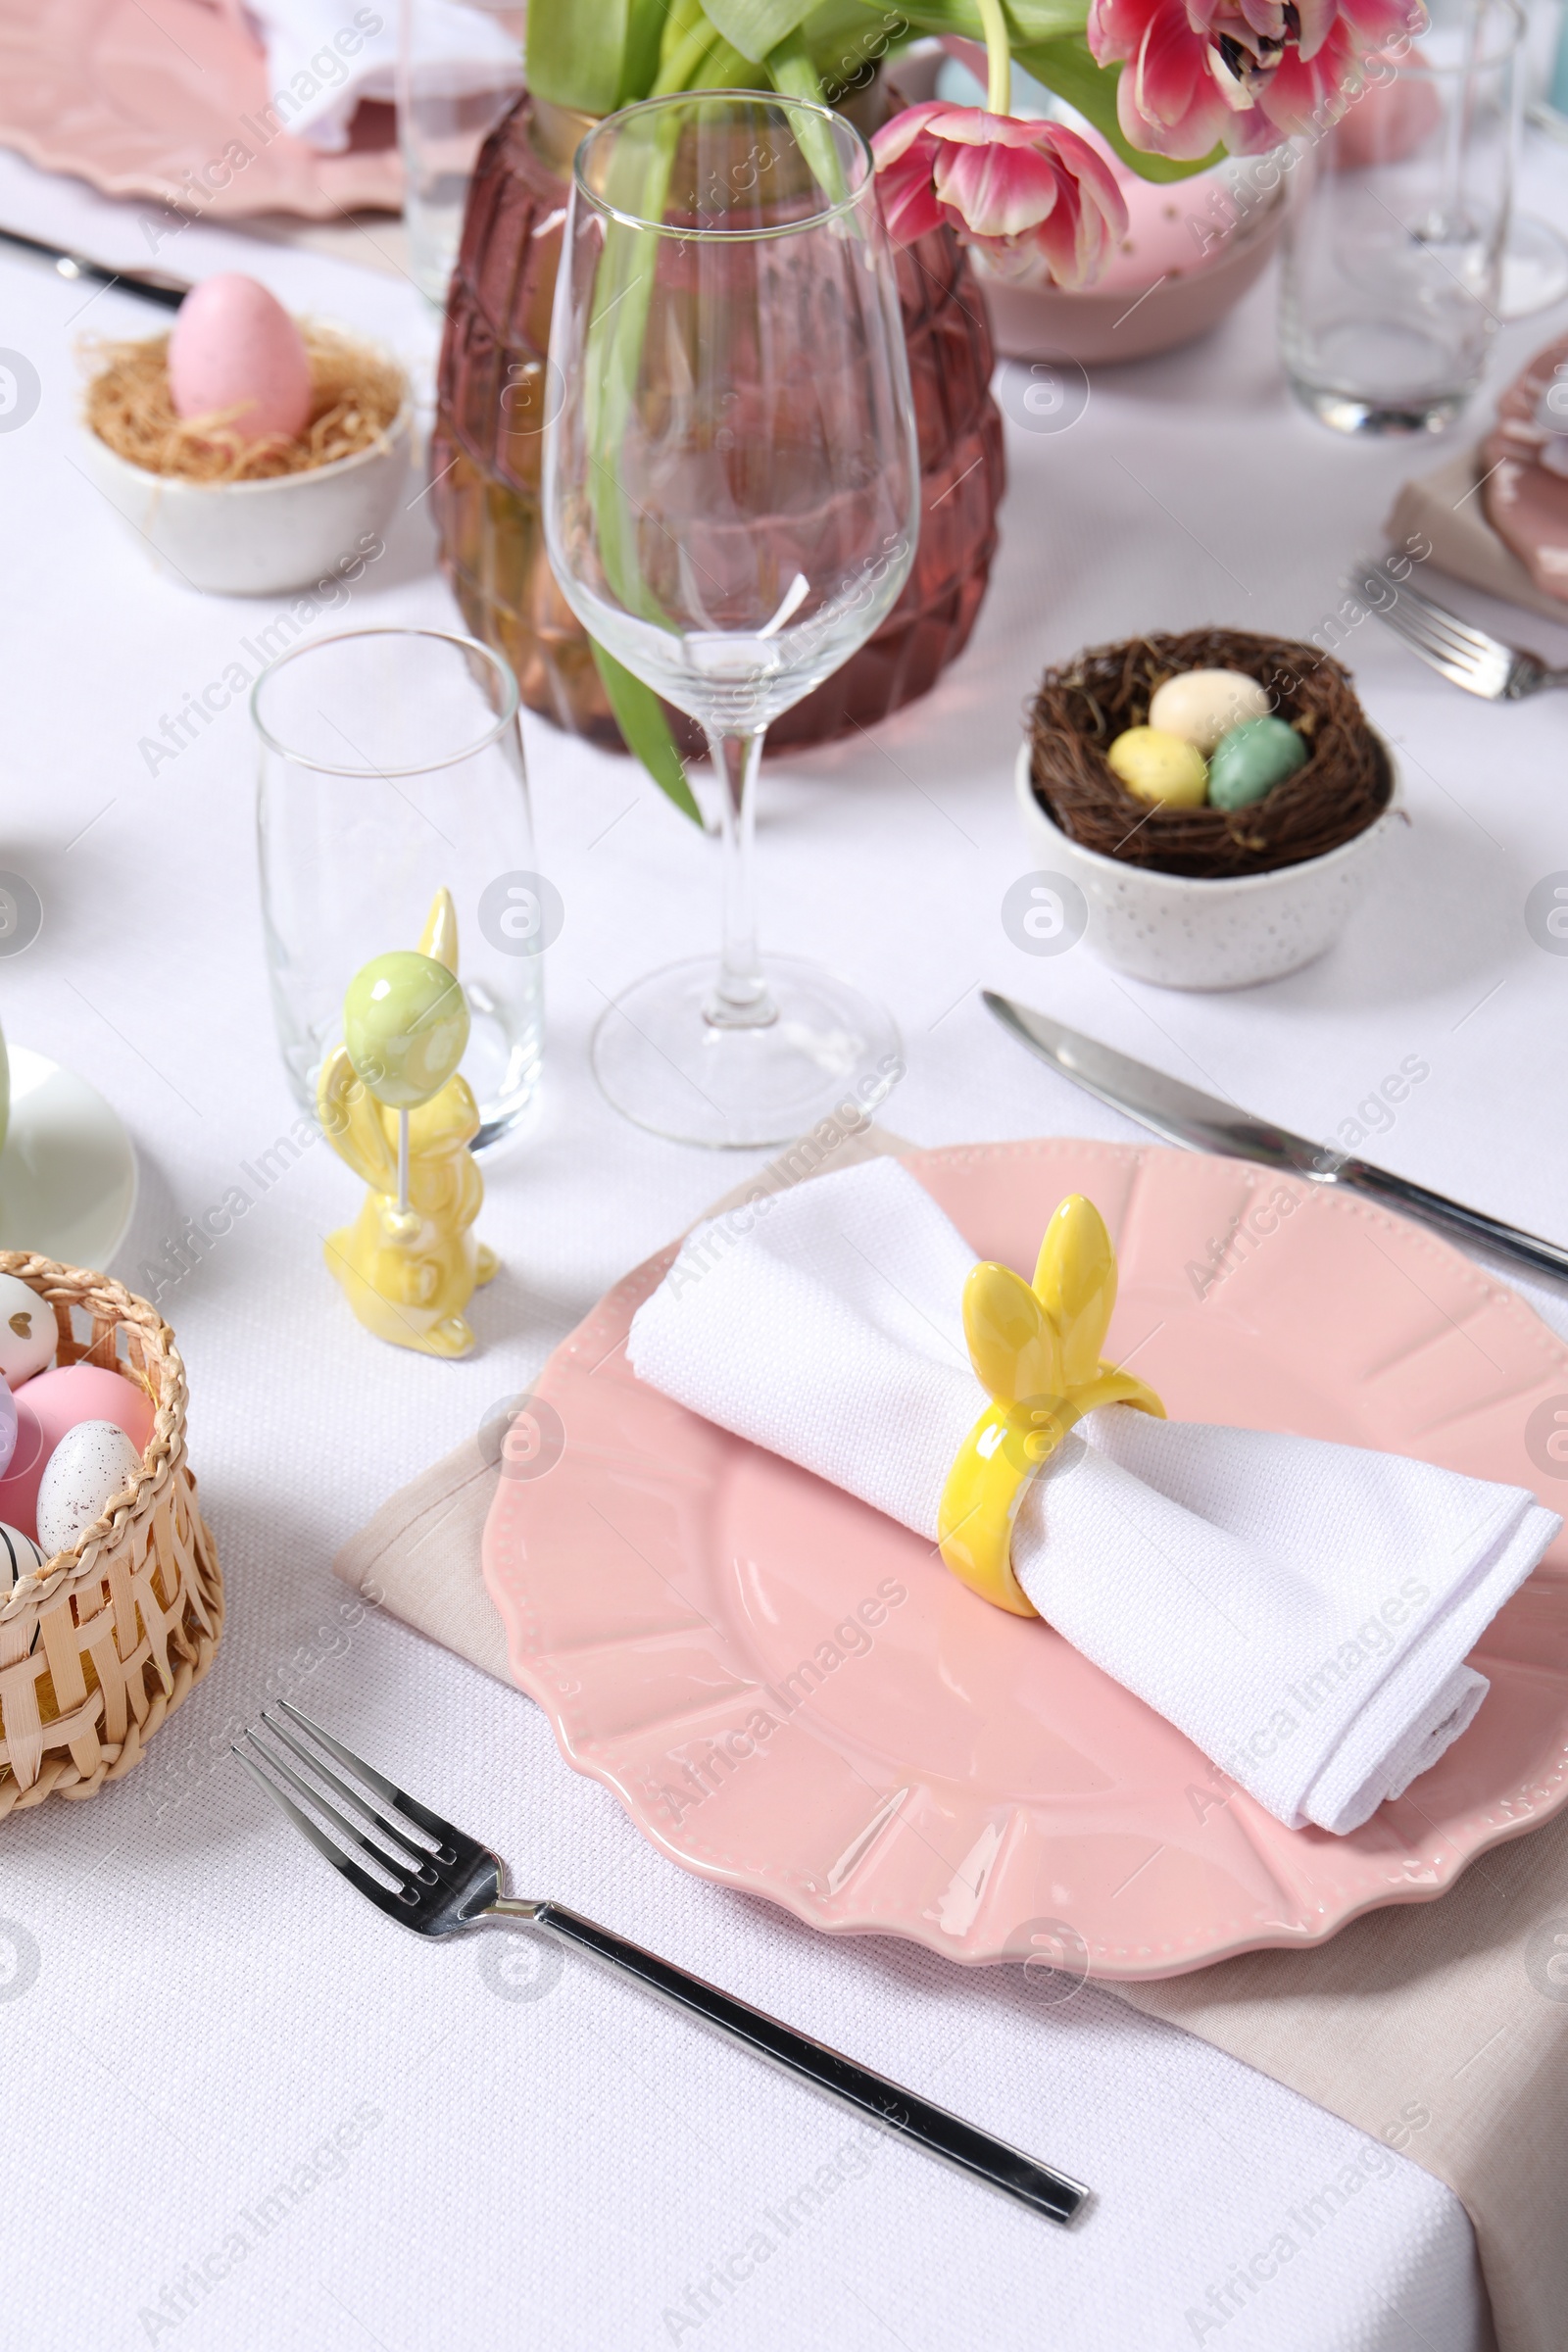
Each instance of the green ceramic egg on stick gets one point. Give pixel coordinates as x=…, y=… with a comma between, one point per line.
x=396, y=1109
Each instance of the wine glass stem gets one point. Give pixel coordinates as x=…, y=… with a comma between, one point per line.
x=739, y=998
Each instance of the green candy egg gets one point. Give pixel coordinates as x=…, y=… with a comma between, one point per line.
x=406, y=1025
x=1251, y=760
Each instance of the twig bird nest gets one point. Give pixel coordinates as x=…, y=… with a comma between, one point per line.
x=1081, y=708
x=356, y=394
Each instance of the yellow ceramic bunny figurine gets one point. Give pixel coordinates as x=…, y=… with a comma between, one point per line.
x=1036, y=1354
x=395, y=1108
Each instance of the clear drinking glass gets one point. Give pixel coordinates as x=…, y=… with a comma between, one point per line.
x=1393, y=246
x=391, y=768
x=447, y=103
x=731, y=499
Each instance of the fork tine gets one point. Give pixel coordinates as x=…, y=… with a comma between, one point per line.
x=1419, y=621
x=1438, y=616
x=405, y=1873
x=395, y=1907
x=1418, y=630
x=447, y=1831
x=1456, y=671
x=1484, y=673
x=1425, y=627
x=324, y=1772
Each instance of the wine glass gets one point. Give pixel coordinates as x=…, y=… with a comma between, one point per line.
x=731, y=501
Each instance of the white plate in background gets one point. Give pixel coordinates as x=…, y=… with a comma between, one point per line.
x=68, y=1173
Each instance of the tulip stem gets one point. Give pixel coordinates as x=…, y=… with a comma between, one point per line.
x=998, y=57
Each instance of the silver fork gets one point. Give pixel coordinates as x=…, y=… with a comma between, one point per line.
x=1480, y=663
x=443, y=1881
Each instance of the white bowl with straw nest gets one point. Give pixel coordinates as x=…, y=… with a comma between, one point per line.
x=234, y=516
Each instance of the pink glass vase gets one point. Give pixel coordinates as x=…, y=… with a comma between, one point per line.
x=492, y=400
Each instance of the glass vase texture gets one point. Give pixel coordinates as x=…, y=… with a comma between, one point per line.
x=493, y=402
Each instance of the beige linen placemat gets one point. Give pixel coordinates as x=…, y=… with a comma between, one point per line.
x=1439, y=2028
x=1445, y=508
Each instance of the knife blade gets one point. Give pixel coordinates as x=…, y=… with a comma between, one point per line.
x=152, y=285
x=1184, y=1114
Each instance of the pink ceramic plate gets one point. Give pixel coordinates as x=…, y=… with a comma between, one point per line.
x=790, y=1694
x=141, y=96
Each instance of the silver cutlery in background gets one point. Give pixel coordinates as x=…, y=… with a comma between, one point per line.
x=151, y=286
x=444, y=1880
x=1468, y=656
x=1184, y=1115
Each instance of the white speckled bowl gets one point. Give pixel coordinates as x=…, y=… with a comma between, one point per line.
x=1184, y=932
x=260, y=538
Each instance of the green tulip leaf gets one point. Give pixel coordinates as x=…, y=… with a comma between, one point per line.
x=755, y=26
x=574, y=54
x=640, y=716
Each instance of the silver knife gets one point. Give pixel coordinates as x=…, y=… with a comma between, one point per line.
x=150, y=285
x=1184, y=1115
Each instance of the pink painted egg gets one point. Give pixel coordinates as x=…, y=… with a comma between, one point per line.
x=234, y=347
x=49, y=1405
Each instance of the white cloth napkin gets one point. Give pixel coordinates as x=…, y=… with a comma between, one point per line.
x=326, y=55
x=1301, y=1610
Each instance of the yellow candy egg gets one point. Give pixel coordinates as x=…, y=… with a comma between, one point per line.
x=1203, y=704
x=1155, y=765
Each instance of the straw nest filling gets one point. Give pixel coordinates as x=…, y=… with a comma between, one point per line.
x=1344, y=786
x=356, y=395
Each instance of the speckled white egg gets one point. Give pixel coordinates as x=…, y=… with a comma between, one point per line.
x=92, y=1464
x=1203, y=704
x=27, y=1333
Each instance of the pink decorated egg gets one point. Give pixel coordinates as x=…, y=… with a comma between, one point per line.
x=49, y=1405
x=234, y=348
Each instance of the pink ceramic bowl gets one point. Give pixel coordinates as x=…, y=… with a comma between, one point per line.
x=1171, y=281
x=1111, y=322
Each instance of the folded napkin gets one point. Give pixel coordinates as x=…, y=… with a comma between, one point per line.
x=1301, y=1610
x=324, y=56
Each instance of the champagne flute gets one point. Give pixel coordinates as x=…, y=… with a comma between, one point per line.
x=731, y=501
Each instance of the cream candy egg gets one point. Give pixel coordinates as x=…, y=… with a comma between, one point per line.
x=1203, y=704
x=236, y=348
x=28, y=1335
x=92, y=1463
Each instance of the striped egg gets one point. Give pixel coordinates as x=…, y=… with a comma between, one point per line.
x=19, y=1556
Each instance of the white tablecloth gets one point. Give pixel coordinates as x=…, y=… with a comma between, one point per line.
x=240, y=2109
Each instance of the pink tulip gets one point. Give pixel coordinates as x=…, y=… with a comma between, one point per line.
x=1022, y=193
x=1244, y=72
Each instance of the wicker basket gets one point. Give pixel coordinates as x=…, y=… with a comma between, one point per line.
x=100, y=1644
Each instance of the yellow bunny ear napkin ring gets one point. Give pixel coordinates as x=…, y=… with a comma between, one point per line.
x=1035, y=1349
